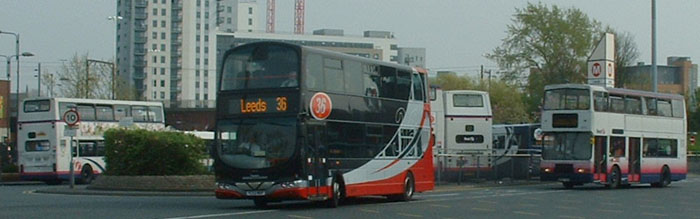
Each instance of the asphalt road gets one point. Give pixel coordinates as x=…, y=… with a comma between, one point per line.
x=530, y=201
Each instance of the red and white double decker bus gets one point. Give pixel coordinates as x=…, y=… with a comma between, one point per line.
x=295, y=122
x=612, y=136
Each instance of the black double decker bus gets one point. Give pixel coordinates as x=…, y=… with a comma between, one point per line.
x=301, y=123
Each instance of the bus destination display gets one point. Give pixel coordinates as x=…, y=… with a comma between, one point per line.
x=254, y=104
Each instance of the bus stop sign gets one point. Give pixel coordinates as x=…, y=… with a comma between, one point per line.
x=71, y=117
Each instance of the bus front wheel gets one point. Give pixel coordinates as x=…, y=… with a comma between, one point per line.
x=409, y=189
x=337, y=191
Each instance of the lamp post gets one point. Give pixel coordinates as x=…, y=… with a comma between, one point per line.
x=116, y=20
x=111, y=64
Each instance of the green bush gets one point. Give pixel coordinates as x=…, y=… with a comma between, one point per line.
x=154, y=153
x=9, y=168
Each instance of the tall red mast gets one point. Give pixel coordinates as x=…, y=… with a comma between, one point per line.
x=299, y=17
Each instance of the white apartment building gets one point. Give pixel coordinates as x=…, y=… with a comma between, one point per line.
x=167, y=49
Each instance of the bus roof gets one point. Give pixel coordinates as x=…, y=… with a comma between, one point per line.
x=611, y=90
x=340, y=55
x=97, y=101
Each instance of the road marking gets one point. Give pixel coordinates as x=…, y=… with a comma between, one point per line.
x=223, y=215
x=28, y=192
x=441, y=195
x=483, y=209
x=654, y=214
x=608, y=210
x=369, y=211
x=526, y=213
x=571, y=201
x=442, y=206
x=567, y=216
x=566, y=207
x=299, y=216
x=409, y=215
x=650, y=206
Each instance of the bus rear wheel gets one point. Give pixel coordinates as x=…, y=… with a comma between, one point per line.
x=615, y=178
x=665, y=178
x=86, y=175
x=408, y=190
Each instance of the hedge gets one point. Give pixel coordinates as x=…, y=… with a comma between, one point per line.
x=131, y=152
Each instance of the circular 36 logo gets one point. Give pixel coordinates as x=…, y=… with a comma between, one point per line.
x=320, y=106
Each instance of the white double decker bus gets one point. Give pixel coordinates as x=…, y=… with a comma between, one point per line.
x=43, y=149
x=612, y=136
x=463, y=123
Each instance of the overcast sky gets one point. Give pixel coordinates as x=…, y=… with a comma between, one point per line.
x=455, y=33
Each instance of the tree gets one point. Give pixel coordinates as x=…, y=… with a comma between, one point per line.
x=626, y=54
x=556, y=42
x=77, y=83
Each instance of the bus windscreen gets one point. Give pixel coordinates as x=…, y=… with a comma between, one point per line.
x=261, y=66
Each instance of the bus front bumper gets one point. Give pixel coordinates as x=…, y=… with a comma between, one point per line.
x=277, y=192
x=567, y=177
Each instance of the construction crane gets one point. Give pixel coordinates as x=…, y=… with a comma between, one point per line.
x=270, y=16
x=299, y=17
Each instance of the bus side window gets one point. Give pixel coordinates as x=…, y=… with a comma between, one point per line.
x=104, y=113
x=677, y=108
x=651, y=106
x=353, y=78
x=417, y=87
x=601, y=101
x=403, y=85
x=633, y=105
x=334, y=79
x=387, y=80
x=140, y=113
x=664, y=107
x=155, y=114
x=87, y=112
x=120, y=112
x=314, y=72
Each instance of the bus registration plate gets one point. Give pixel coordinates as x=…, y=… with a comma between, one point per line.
x=255, y=193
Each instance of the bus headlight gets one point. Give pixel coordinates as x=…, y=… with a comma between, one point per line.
x=581, y=170
x=547, y=170
x=294, y=184
x=224, y=186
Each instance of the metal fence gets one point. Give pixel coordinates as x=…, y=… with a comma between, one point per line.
x=479, y=166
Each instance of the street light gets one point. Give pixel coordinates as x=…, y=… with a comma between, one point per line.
x=116, y=20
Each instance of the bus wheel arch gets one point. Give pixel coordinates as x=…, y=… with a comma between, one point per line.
x=615, y=177
x=665, y=176
x=86, y=174
x=337, y=190
x=409, y=188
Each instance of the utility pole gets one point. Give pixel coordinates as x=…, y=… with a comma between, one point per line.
x=481, y=76
x=38, y=84
x=87, y=78
x=654, y=69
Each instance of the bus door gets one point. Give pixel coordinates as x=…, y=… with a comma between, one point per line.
x=634, y=160
x=600, y=164
x=316, y=162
